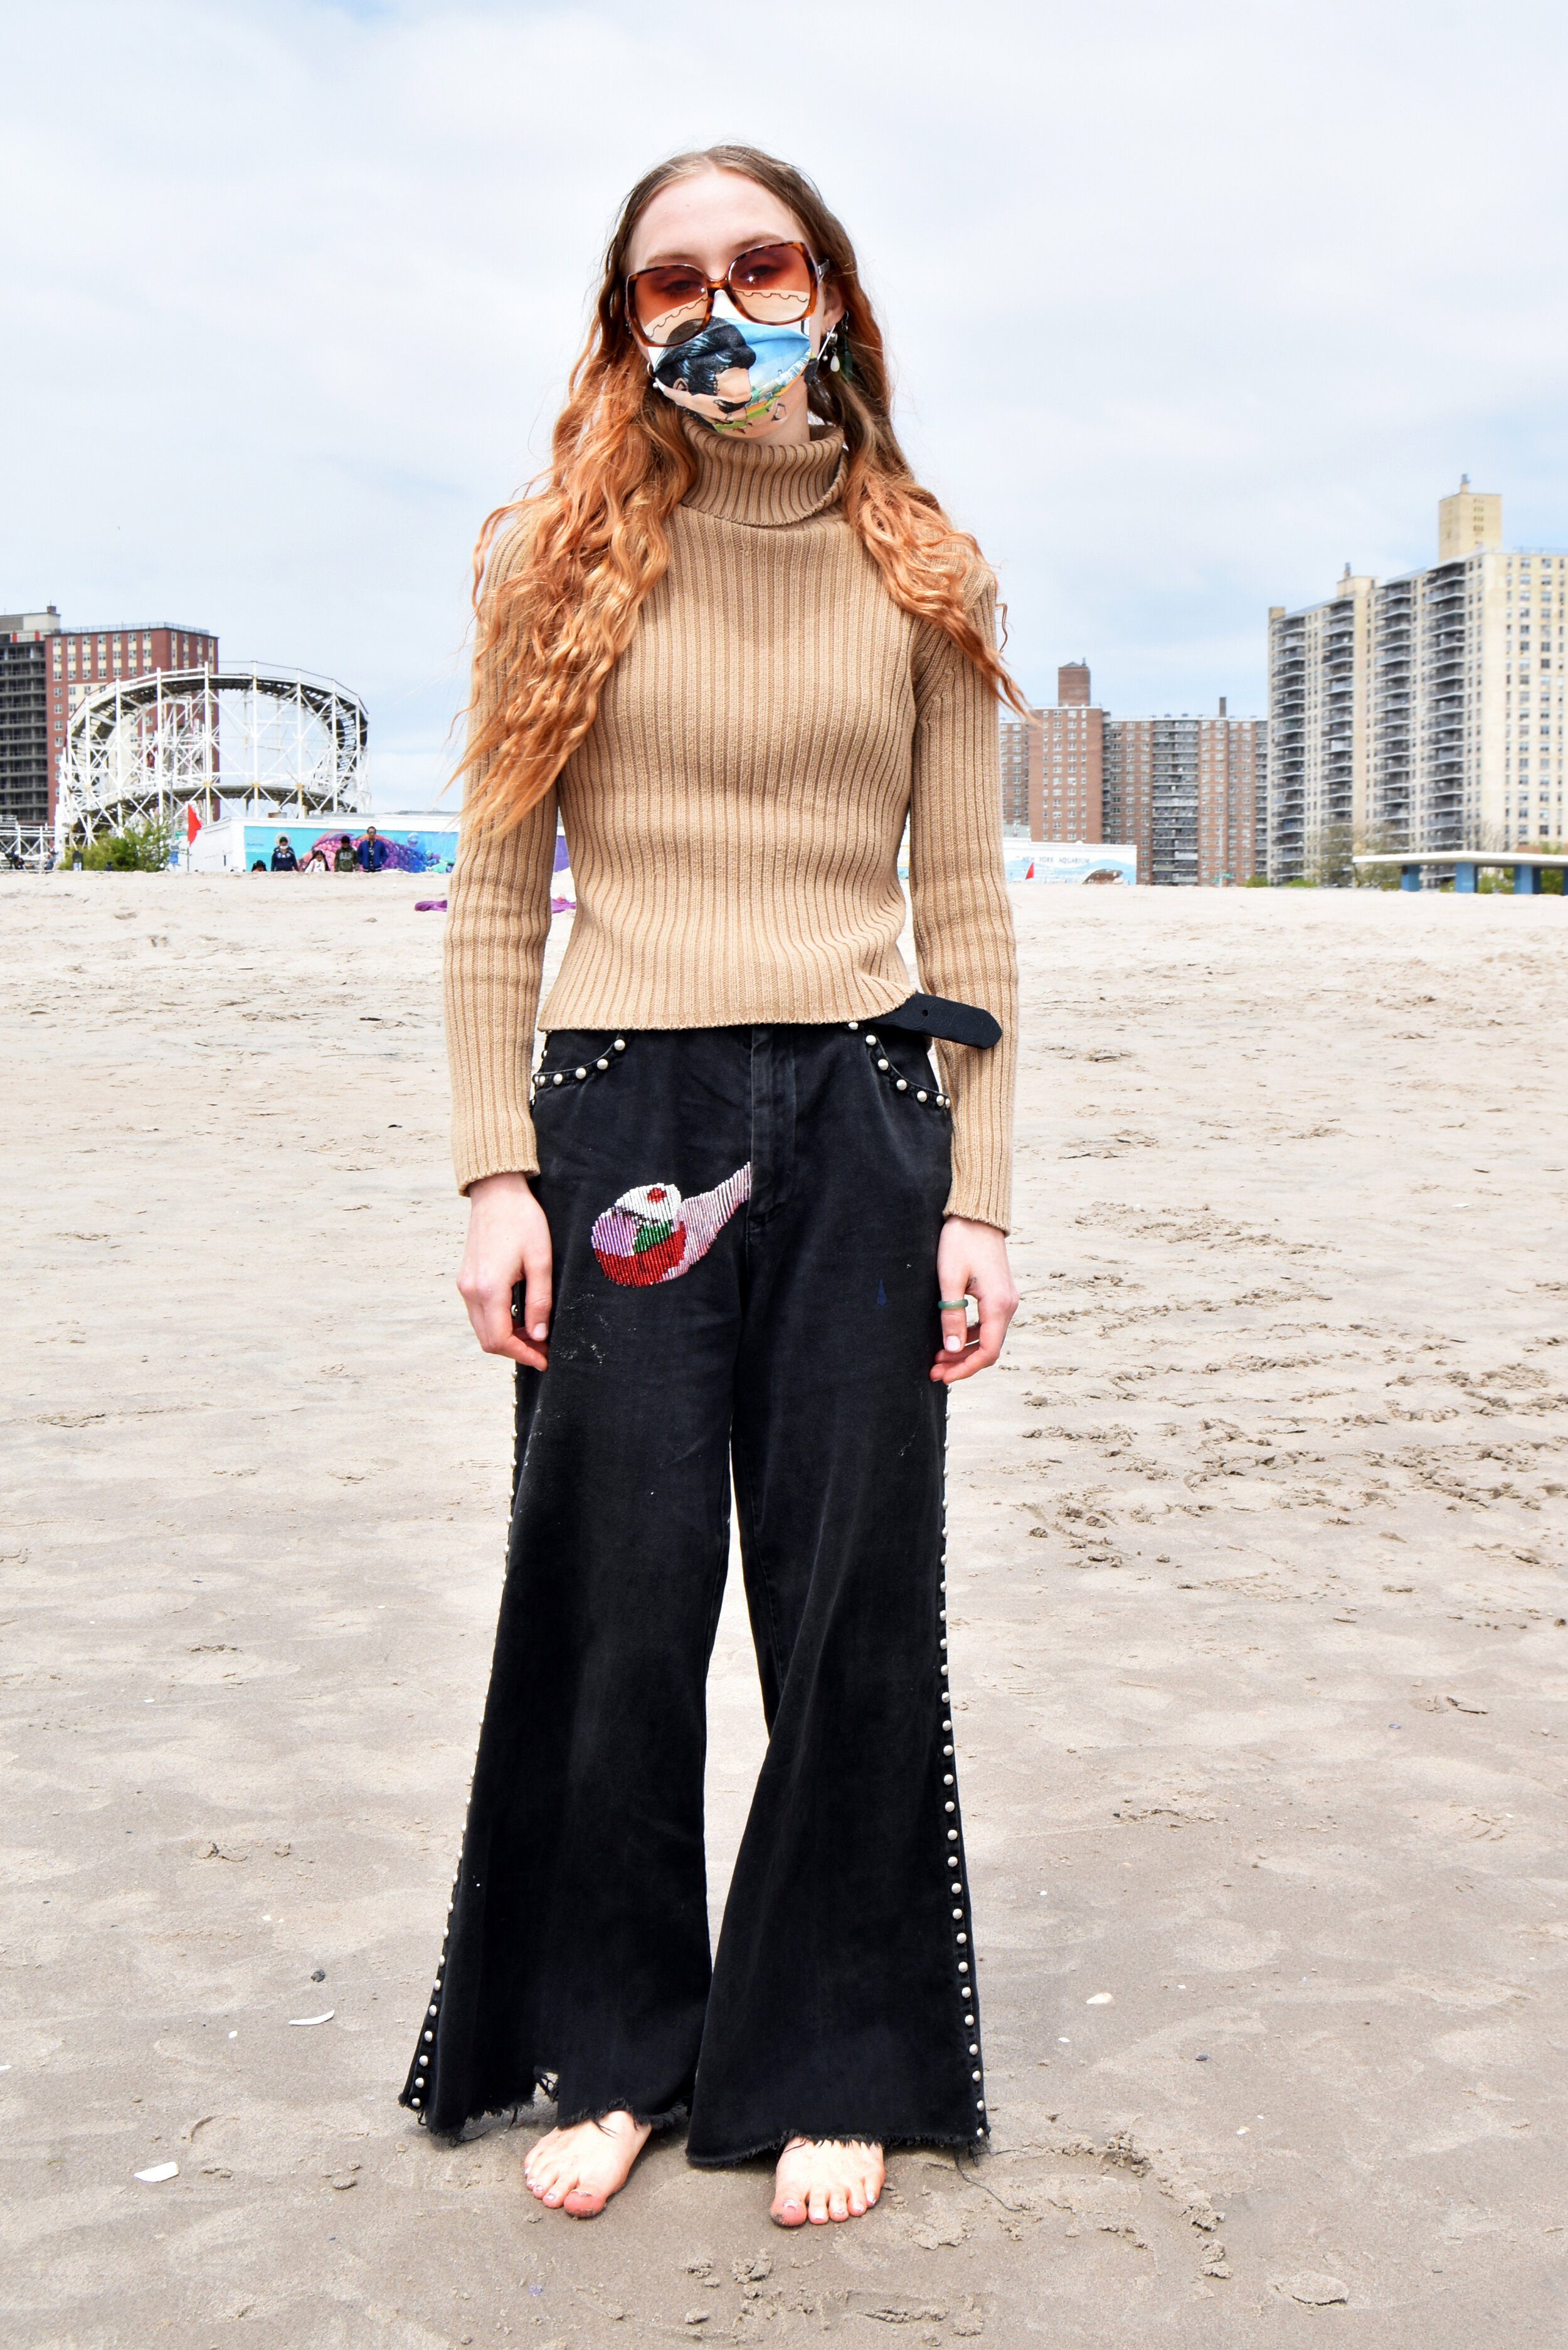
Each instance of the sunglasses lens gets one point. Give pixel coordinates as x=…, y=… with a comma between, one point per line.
x=670, y=304
x=773, y=282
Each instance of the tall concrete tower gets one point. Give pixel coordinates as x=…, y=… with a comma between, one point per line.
x=1468, y=520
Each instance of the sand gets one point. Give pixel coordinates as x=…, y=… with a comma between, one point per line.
x=1258, y=1632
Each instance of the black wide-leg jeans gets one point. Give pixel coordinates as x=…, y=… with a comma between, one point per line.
x=744, y=1225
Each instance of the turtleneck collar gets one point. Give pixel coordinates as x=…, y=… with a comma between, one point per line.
x=753, y=481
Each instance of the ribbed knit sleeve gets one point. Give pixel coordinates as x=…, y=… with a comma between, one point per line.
x=498, y=920
x=962, y=921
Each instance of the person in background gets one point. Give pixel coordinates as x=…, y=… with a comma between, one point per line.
x=284, y=860
x=345, y=861
x=373, y=851
x=316, y=860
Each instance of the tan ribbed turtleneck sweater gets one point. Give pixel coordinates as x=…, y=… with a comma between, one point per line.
x=733, y=817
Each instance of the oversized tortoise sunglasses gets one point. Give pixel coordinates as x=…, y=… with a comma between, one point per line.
x=772, y=285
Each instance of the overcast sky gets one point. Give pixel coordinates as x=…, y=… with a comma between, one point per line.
x=1188, y=305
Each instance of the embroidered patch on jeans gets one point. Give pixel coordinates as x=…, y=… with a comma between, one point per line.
x=652, y=1234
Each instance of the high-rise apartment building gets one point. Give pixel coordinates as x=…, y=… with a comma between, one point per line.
x=1187, y=791
x=1053, y=763
x=46, y=670
x=1072, y=761
x=1020, y=760
x=24, y=716
x=1422, y=713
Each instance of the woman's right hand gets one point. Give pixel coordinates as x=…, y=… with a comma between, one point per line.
x=508, y=1242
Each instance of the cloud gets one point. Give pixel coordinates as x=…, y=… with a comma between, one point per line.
x=1188, y=306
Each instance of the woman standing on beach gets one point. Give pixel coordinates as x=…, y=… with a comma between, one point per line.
x=732, y=1226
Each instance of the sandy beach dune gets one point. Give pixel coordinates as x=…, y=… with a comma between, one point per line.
x=1258, y=1639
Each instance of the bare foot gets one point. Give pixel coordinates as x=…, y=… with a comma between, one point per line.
x=578, y=2170
x=825, y=2179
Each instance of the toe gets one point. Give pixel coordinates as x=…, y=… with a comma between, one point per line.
x=585, y=2203
x=838, y=2204
x=816, y=2209
x=789, y=2212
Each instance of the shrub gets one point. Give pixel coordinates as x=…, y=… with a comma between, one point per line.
x=135, y=849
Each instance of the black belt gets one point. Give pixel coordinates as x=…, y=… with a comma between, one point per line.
x=938, y=1016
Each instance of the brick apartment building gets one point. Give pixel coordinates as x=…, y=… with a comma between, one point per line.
x=1189, y=792
x=1020, y=760
x=1052, y=761
x=46, y=670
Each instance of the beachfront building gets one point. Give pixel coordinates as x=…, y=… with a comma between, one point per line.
x=1423, y=712
x=1188, y=792
x=1072, y=761
x=1020, y=761
x=24, y=769
x=1053, y=764
x=47, y=670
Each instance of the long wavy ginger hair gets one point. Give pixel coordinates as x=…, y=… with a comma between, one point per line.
x=560, y=572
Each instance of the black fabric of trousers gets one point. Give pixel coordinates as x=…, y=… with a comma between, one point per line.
x=797, y=1347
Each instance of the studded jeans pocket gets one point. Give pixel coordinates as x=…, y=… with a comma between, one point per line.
x=900, y=1064
x=573, y=1057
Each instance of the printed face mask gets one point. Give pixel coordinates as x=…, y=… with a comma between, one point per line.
x=731, y=374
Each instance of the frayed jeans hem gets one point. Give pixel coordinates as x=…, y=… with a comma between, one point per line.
x=451, y=2133
x=774, y=2146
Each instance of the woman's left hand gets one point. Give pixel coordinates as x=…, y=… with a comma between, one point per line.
x=972, y=1262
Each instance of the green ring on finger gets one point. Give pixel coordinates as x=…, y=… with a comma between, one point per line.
x=951, y=1304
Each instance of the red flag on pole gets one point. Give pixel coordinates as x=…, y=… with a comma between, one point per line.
x=193, y=823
